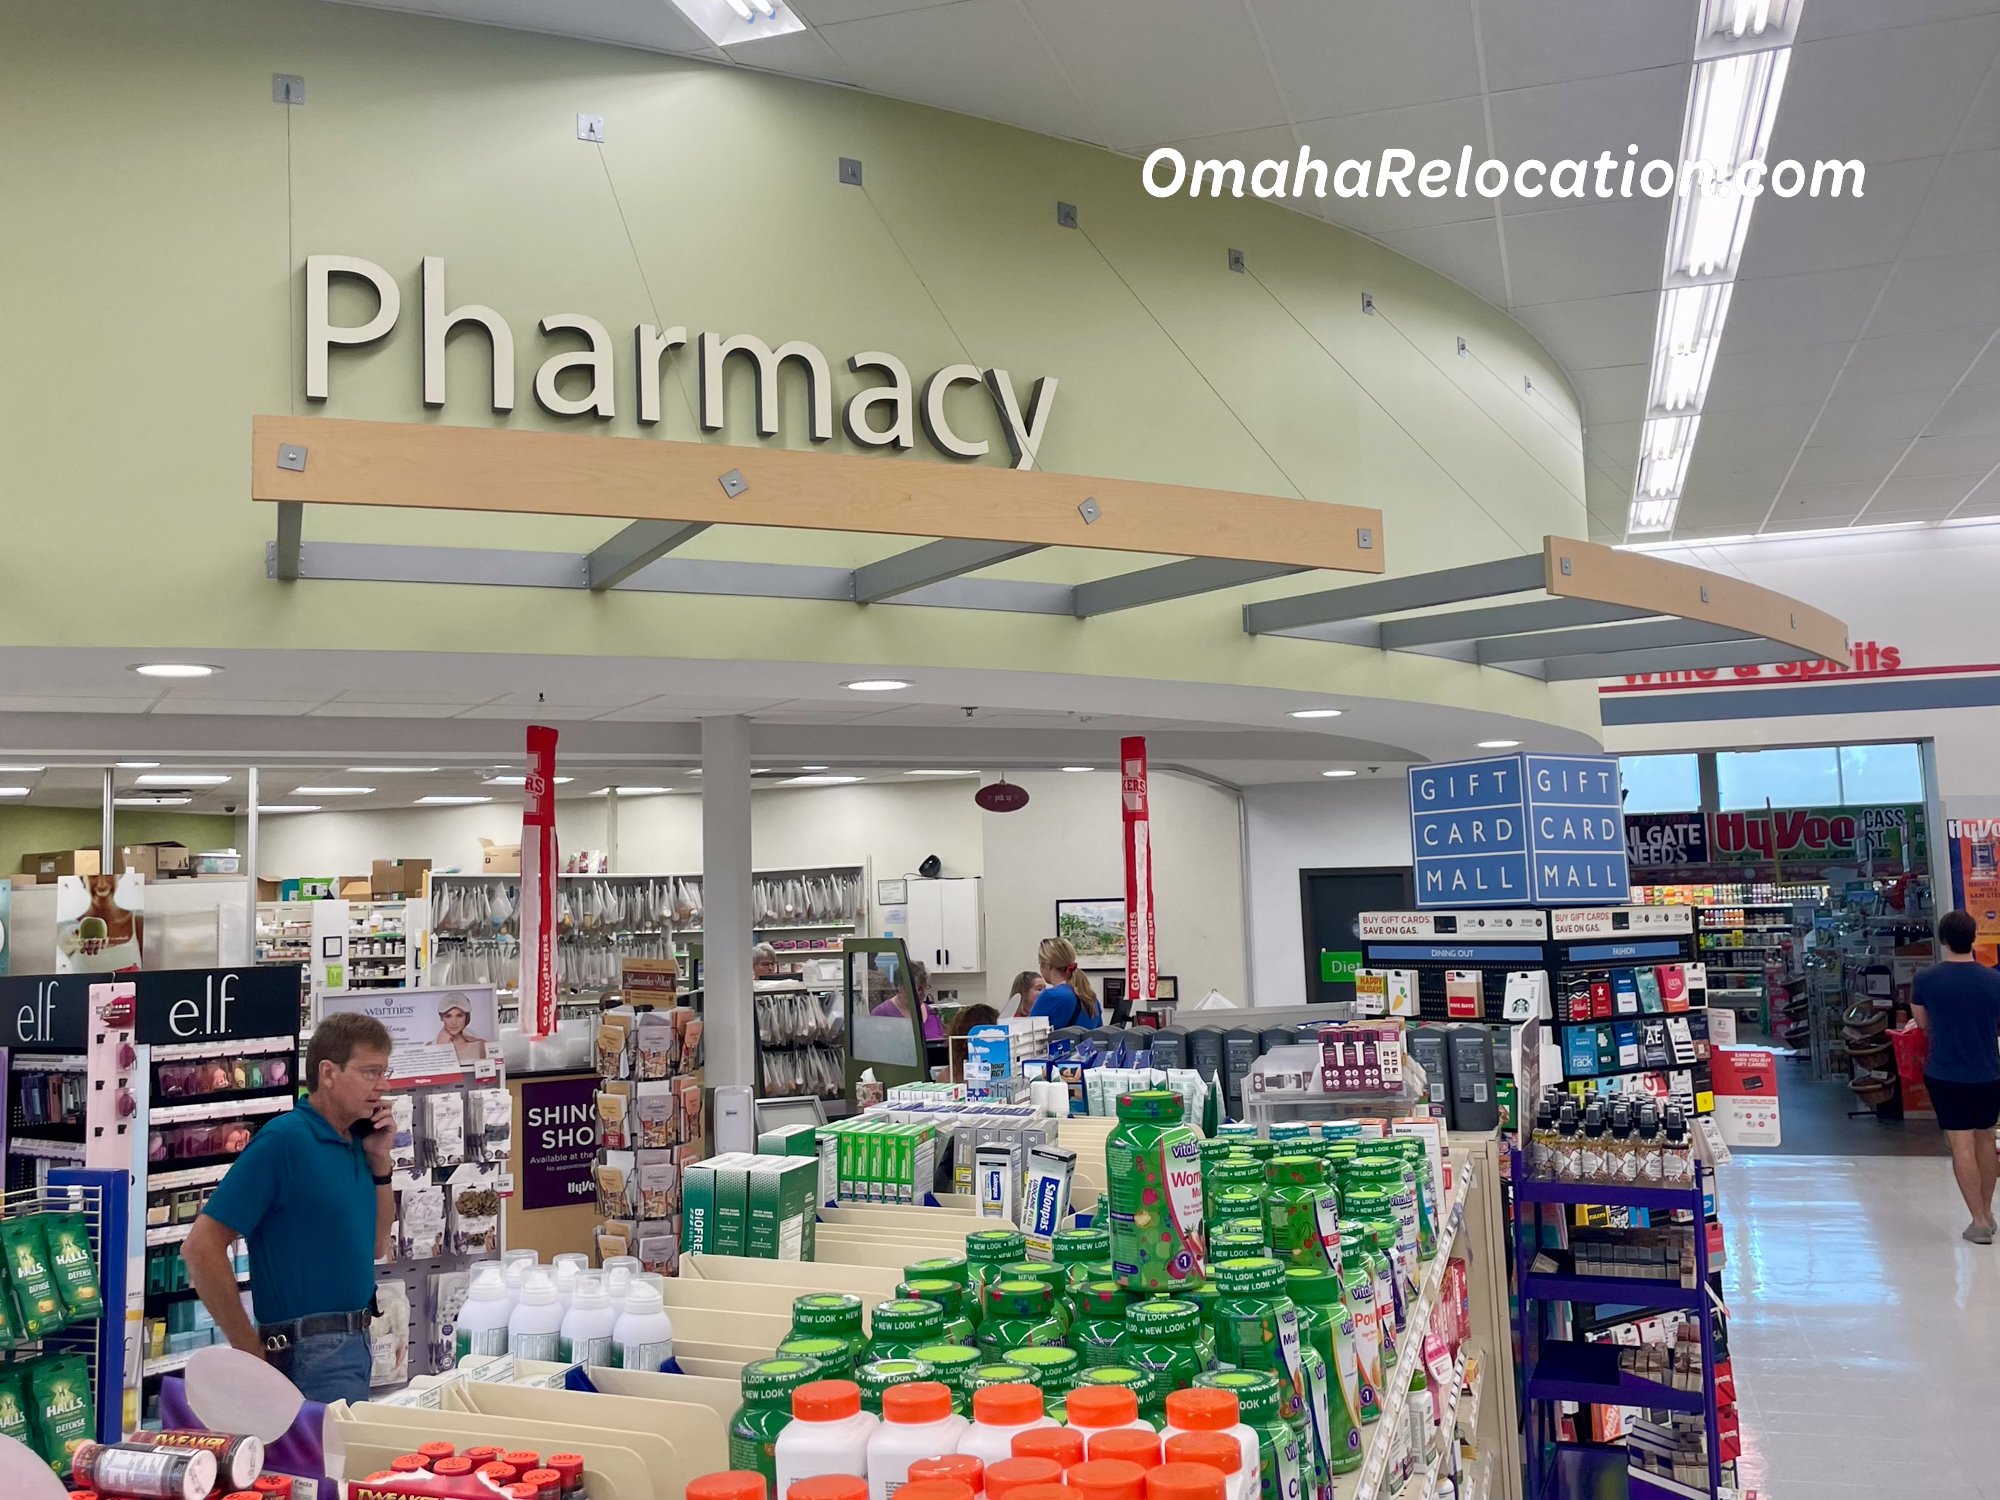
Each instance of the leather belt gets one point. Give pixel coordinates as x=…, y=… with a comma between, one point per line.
x=279, y=1337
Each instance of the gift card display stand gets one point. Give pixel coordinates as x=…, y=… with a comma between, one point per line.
x=649, y=1128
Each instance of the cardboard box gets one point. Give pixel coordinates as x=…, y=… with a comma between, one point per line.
x=47, y=867
x=355, y=888
x=143, y=858
x=394, y=878
x=499, y=859
x=270, y=890
x=175, y=859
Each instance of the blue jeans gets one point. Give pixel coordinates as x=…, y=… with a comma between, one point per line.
x=329, y=1367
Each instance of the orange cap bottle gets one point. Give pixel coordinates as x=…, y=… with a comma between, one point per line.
x=1108, y=1478
x=1218, y=1450
x=831, y=1486
x=728, y=1484
x=1134, y=1445
x=1091, y=1406
x=960, y=1468
x=1010, y=1474
x=1185, y=1482
x=1063, y=1444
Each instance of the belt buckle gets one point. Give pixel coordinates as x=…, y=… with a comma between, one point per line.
x=277, y=1343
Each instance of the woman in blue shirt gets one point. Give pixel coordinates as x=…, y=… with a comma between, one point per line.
x=1069, y=999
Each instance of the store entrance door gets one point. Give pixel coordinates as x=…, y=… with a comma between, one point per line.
x=1332, y=902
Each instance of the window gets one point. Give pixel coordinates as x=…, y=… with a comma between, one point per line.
x=1808, y=777
x=1661, y=783
x=1872, y=774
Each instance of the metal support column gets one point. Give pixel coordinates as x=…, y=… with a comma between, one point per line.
x=108, y=849
x=250, y=795
x=729, y=1022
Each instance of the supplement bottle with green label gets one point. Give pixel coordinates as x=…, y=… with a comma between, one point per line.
x=834, y=1315
x=1142, y=1383
x=1099, y=1331
x=1001, y=1373
x=1077, y=1251
x=1357, y=1283
x=986, y=1250
x=1166, y=1340
x=835, y=1357
x=1257, y=1395
x=1257, y=1328
x=1204, y=1298
x=1154, y=1165
x=952, y=1366
x=1417, y=1155
x=1237, y=1240
x=1236, y=1204
x=1018, y=1316
x=902, y=1325
x=1292, y=1208
x=766, y=1411
x=952, y=1268
x=1328, y=1329
x=878, y=1375
x=1050, y=1275
x=957, y=1326
x=1052, y=1369
x=1389, y=1283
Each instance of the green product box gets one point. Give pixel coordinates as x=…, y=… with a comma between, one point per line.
x=848, y=1147
x=788, y=1140
x=732, y=1193
x=698, y=1208
x=826, y=1144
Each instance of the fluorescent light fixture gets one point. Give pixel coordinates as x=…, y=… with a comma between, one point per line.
x=821, y=780
x=640, y=791
x=1316, y=713
x=285, y=807
x=1684, y=345
x=523, y=781
x=449, y=801
x=941, y=773
x=13, y=791
x=815, y=768
x=1648, y=516
x=876, y=685
x=181, y=778
x=331, y=791
x=1336, y=773
x=1732, y=105
x=175, y=669
x=726, y=22
x=136, y=765
x=1498, y=744
x=1663, y=463
x=1684, y=544
x=1074, y=769
x=151, y=801
x=1739, y=22
x=393, y=770
x=23, y=770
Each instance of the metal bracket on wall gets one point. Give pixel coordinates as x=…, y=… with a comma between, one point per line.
x=850, y=171
x=1066, y=216
x=288, y=88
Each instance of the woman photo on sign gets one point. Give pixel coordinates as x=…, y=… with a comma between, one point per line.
x=456, y=1018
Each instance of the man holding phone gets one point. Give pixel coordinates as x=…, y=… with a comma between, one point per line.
x=311, y=1195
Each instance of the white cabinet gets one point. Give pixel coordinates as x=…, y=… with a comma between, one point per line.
x=944, y=929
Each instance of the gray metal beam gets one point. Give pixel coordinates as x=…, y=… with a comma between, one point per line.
x=1590, y=667
x=633, y=548
x=931, y=563
x=1646, y=635
x=291, y=529
x=1174, y=580
x=1502, y=619
x=1388, y=596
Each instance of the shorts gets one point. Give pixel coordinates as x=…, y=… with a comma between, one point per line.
x=1964, y=1106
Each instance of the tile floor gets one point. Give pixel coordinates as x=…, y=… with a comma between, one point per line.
x=1866, y=1333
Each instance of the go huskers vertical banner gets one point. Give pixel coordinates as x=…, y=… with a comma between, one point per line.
x=538, y=885
x=1142, y=963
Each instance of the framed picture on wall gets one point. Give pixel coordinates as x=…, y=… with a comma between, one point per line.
x=1096, y=929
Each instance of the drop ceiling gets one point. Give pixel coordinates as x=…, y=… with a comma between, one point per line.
x=1859, y=375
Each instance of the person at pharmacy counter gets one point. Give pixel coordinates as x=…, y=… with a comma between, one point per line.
x=1958, y=1004
x=1069, y=999
x=311, y=1196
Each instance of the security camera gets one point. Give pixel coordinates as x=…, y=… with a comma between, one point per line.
x=229, y=807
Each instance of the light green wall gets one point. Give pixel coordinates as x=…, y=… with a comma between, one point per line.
x=40, y=830
x=152, y=275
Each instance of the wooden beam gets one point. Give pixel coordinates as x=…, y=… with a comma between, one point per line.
x=545, y=473
x=1654, y=585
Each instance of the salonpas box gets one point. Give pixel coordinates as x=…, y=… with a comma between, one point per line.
x=779, y=1207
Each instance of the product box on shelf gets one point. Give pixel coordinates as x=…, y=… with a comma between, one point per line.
x=398, y=877
x=742, y=1203
x=499, y=859
x=1361, y=1059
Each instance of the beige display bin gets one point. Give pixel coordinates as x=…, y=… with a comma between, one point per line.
x=869, y=1283
x=699, y=1434
x=640, y=1465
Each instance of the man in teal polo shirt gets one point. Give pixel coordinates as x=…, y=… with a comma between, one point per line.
x=311, y=1195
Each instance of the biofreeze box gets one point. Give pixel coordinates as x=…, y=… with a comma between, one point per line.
x=732, y=1202
x=779, y=1207
x=698, y=1209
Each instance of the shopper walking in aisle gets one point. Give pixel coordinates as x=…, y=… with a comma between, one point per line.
x=1069, y=999
x=311, y=1195
x=1958, y=1005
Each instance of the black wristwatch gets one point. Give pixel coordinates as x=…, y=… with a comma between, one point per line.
x=382, y=1179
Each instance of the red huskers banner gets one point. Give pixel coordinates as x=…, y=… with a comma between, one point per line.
x=538, y=885
x=1142, y=963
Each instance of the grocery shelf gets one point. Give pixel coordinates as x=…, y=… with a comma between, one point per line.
x=1570, y=1371
x=1622, y=1291
x=1609, y=1194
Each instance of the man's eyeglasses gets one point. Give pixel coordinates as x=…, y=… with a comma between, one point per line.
x=374, y=1072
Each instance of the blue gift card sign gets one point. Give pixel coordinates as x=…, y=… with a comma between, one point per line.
x=1509, y=829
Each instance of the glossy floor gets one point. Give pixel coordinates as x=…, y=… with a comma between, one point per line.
x=1866, y=1333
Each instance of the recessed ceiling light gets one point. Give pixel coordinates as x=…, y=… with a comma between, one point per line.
x=151, y=801
x=940, y=773
x=175, y=669
x=640, y=791
x=1498, y=744
x=1336, y=773
x=449, y=801
x=876, y=685
x=23, y=770
x=13, y=791
x=393, y=770
x=181, y=778
x=1316, y=713
x=821, y=780
x=285, y=807
x=331, y=791
x=523, y=781
x=1078, y=768
x=137, y=765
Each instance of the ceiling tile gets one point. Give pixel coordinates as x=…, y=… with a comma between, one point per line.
x=1911, y=361
x=1585, y=117
x=1963, y=210
x=1342, y=60
x=977, y=59
x=1586, y=250
x=1816, y=234
x=1892, y=414
x=527, y=711
x=629, y=23
x=1770, y=377
x=1936, y=292
x=803, y=54
x=1426, y=131
x=1747, y=431
x=1845, y=463
x=1984, y=501
x=1595, y=331
x=1468, y=252
x=1833, y=17
x=1812, y=307
x=1158, y=70
x=830, y=12
x=344, y=708
x=1613, y=392
x=1529, y=42
x=1970, y=408
x=1885, y=95
x=387, y=693
x=1968, y=453
x=1824, y=503
x=234, y=706
x=1932, y=495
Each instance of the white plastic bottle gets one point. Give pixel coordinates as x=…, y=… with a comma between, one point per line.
x=566, y=1274
x=535, y=1329
x=515, y=1272
x=1199, y=1409
x=588, y=1326
x=829, y=1433
x=999, y=1412
x=917, y=1422
x=643, y=1336
x=1103, y=1408
x=482, y=1321
x=629, y=1262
